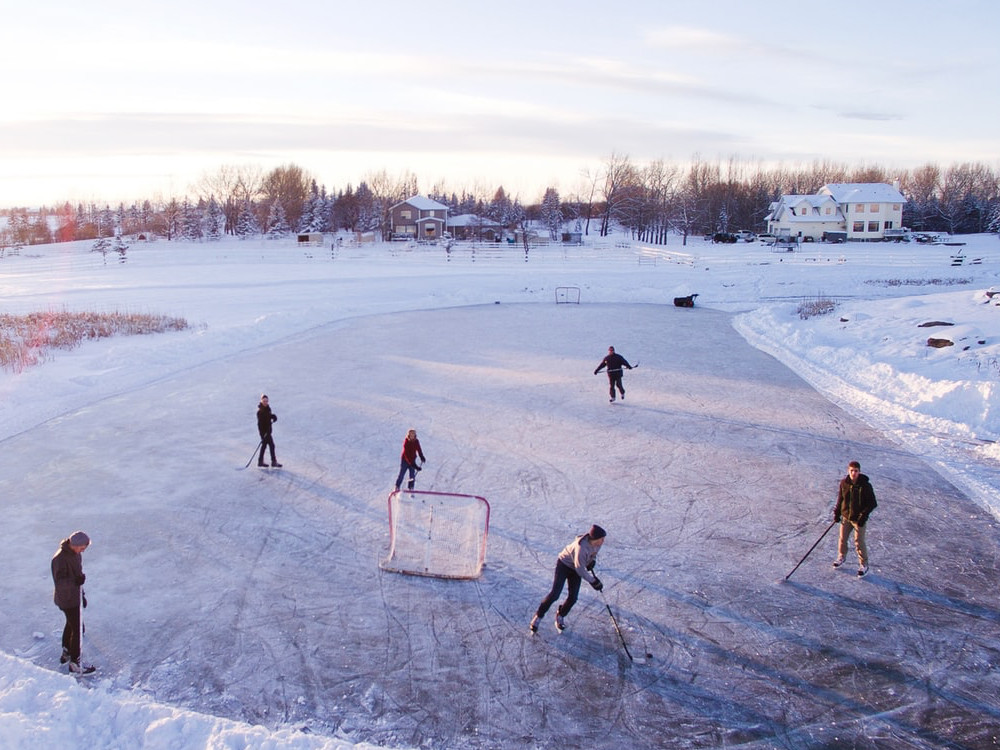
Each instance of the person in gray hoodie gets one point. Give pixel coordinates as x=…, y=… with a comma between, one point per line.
x=68, y=578
x=574, y=564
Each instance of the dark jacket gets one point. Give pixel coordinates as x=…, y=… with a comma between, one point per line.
x=855, y=500
x=265, y=419
x=67, y=575
x=614, y=363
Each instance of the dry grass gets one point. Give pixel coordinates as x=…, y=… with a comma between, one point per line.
x=818, y=306
x=25, y=340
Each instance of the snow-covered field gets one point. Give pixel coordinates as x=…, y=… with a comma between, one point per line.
x=246, y=608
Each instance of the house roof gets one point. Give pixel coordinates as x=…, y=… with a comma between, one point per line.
x=863, y=192
x=468, y=220
x=787, y=202
x=423, y=203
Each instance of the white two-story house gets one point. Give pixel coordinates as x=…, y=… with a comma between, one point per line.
x=863, y=210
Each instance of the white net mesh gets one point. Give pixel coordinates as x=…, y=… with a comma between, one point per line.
x=437, y=534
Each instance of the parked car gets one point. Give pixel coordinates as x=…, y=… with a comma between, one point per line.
x=724, y=237
x=746, y=235
x=834, y=237
x=767, y=238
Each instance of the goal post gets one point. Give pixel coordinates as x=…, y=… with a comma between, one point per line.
x=437, y=534
x=567, y=295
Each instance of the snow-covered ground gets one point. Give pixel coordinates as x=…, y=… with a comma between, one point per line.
x=256, y=596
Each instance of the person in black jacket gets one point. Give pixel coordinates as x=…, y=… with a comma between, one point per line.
x=266, y=418
x=614, y=362
x=68, y=579
x=855, y=502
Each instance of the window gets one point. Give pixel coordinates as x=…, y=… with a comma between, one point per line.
x=873, y=208
x=895, y=206
x=859, y=227
x=405, y=214
x=887, y=225
x=872, y=226
x=828, y=211
x=859, y=208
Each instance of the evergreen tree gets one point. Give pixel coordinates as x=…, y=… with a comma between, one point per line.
x=191, y=222
x=246, y=222
x=214, y=220
x=551, y=213
x=994, y=225
x=277, y=224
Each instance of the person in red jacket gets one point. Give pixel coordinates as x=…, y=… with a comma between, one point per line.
x=408, y=459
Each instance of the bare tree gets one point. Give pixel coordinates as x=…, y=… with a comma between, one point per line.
x=289, y=185
x=618, y=176
x=233, y=186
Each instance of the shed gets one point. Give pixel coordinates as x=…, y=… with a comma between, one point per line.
x=311, y=238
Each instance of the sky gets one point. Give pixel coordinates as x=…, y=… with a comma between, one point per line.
x=116, y=100
x=234, y=607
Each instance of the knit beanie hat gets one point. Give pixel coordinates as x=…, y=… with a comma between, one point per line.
x=596, y=532
x=79, y=539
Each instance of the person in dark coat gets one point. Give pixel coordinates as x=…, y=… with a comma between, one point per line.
x=408, y=459
x=68, y=579
x=614, y=362
x=855, y=502
x=266, y=418
x=574, y=564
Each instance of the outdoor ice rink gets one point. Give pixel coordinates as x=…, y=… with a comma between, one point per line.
x=257, y=594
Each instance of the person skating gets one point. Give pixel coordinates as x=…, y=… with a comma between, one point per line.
x=574, y=564
x=614, y=362
x=265, y=419
x=408, y=459
x=68, y=579
x=855, y=502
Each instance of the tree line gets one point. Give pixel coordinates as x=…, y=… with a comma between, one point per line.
x=647, y=201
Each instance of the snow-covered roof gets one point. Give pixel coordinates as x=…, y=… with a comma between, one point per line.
x=423, y=203
x=863, y=192
x=469, y=220
x=787, y=202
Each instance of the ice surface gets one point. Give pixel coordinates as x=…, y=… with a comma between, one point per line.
x=256, y=596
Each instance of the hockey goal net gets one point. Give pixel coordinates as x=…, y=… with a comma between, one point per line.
x=437, y=534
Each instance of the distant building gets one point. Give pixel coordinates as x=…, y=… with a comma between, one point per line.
x=418, y=218
x=473, y=227
x=863, y=210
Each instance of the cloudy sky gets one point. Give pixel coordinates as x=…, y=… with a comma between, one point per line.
x=117, y=100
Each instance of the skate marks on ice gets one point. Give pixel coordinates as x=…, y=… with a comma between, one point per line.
x=269, y=605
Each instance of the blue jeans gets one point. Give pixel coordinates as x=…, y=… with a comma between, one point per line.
x=563, y=574
x=403, y=468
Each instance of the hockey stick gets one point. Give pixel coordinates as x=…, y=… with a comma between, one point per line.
x=250, y=460
x=832, y=524
x=618, y=630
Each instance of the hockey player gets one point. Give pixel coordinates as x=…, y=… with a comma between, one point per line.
x=408, y=459
x=575, y=563
x=265, y=419
x=68, y=578
x=855, y=502
x=614, y=362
